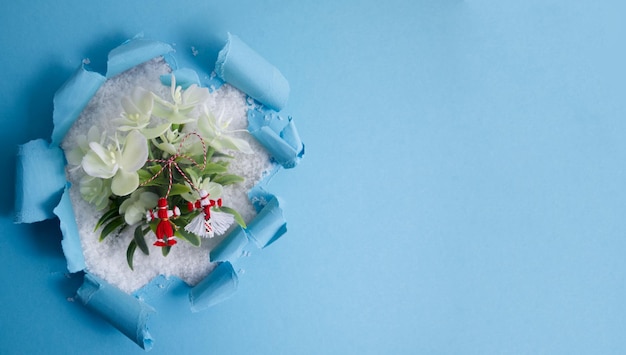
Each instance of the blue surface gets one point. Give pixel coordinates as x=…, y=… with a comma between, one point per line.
x=463, y=189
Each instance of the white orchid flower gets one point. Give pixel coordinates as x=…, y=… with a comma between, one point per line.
x=75, y=156
x=168, y=142
x=215, y=131
x=184, y=102
x=134, y=208
x=137, y=114
x=118, y=162
x=95, y=191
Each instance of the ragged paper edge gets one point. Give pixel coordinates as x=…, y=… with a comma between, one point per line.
x=242, y=67
x=70, y=100
x=135, y=52
x=277, y=134
x=40, y=179
x=125, y=312
x=218, y=286
x=71, y=240
x=269, y=225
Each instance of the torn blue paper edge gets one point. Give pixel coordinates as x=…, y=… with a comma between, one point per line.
x=125, y=312
x=242, y=67
x=40, y=181
x=278, y=135
x=71, y=241
x=48, y=196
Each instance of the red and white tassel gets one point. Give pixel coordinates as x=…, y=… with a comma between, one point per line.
x=200, y=227
x=209, y=222
x=221, y=221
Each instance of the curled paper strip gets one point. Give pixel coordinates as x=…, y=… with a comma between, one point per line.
x=71, y=99
x=39, y=182
x=277, y=135
x=231, y=247
x=269, y=224
x=133, y=53
x=243, y=68
x=126, y=313
x=71, y=240
x=219, y=285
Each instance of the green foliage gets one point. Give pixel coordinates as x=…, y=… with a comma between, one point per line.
x=139, y=237
x=130, y=253
x=227, y=179
x=115, y=223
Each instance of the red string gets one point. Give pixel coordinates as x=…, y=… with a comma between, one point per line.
x=172, y=161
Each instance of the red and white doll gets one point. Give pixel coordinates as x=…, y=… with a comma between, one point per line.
x=208, y=222
x=164, y=230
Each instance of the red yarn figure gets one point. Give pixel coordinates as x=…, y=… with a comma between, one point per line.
x=164, y=229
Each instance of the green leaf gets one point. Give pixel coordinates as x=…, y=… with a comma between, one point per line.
x=235, y=214
x=130, y=253
x=166, y=250
x=140, y=240
x=110, y=214
x=228, y=179
x=179, y=189
x=209, y=153
x=154, y=169
x=113, y=225
x=214, y=168
x=190, y=237
x=191, y=172
x=144, y=176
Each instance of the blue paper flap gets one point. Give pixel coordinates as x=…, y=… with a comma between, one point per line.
x=246, y=70
x=71, y=99
x=218, y=286
x=39, y=182
x=231, y=247
x=133, y=53
x=125, y=312
x=269, y=224
x=71, y=240
x=277, y=135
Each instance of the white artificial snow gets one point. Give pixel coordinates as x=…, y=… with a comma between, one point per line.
x=107, y=259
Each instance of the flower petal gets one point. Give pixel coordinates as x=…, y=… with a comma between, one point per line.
x=95, y=166
x=124, y=182
x=153, y=132
x=195, y=95
x=236, y=144
x=135, y=152
x=140, y=102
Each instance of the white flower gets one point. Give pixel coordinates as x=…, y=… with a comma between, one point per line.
x=119, y=163
x=215, y=131
x=95, y=191
x=137, y=110
x=134, y=208
x=185, y=101
x=169, y=140
x=137, y=114
x=75, y=156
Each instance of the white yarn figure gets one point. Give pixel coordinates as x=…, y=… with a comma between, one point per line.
x=208, y=223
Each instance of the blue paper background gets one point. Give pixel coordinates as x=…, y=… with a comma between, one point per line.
x=463, y=189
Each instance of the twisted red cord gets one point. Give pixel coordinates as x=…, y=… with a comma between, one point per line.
x=172, y=161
